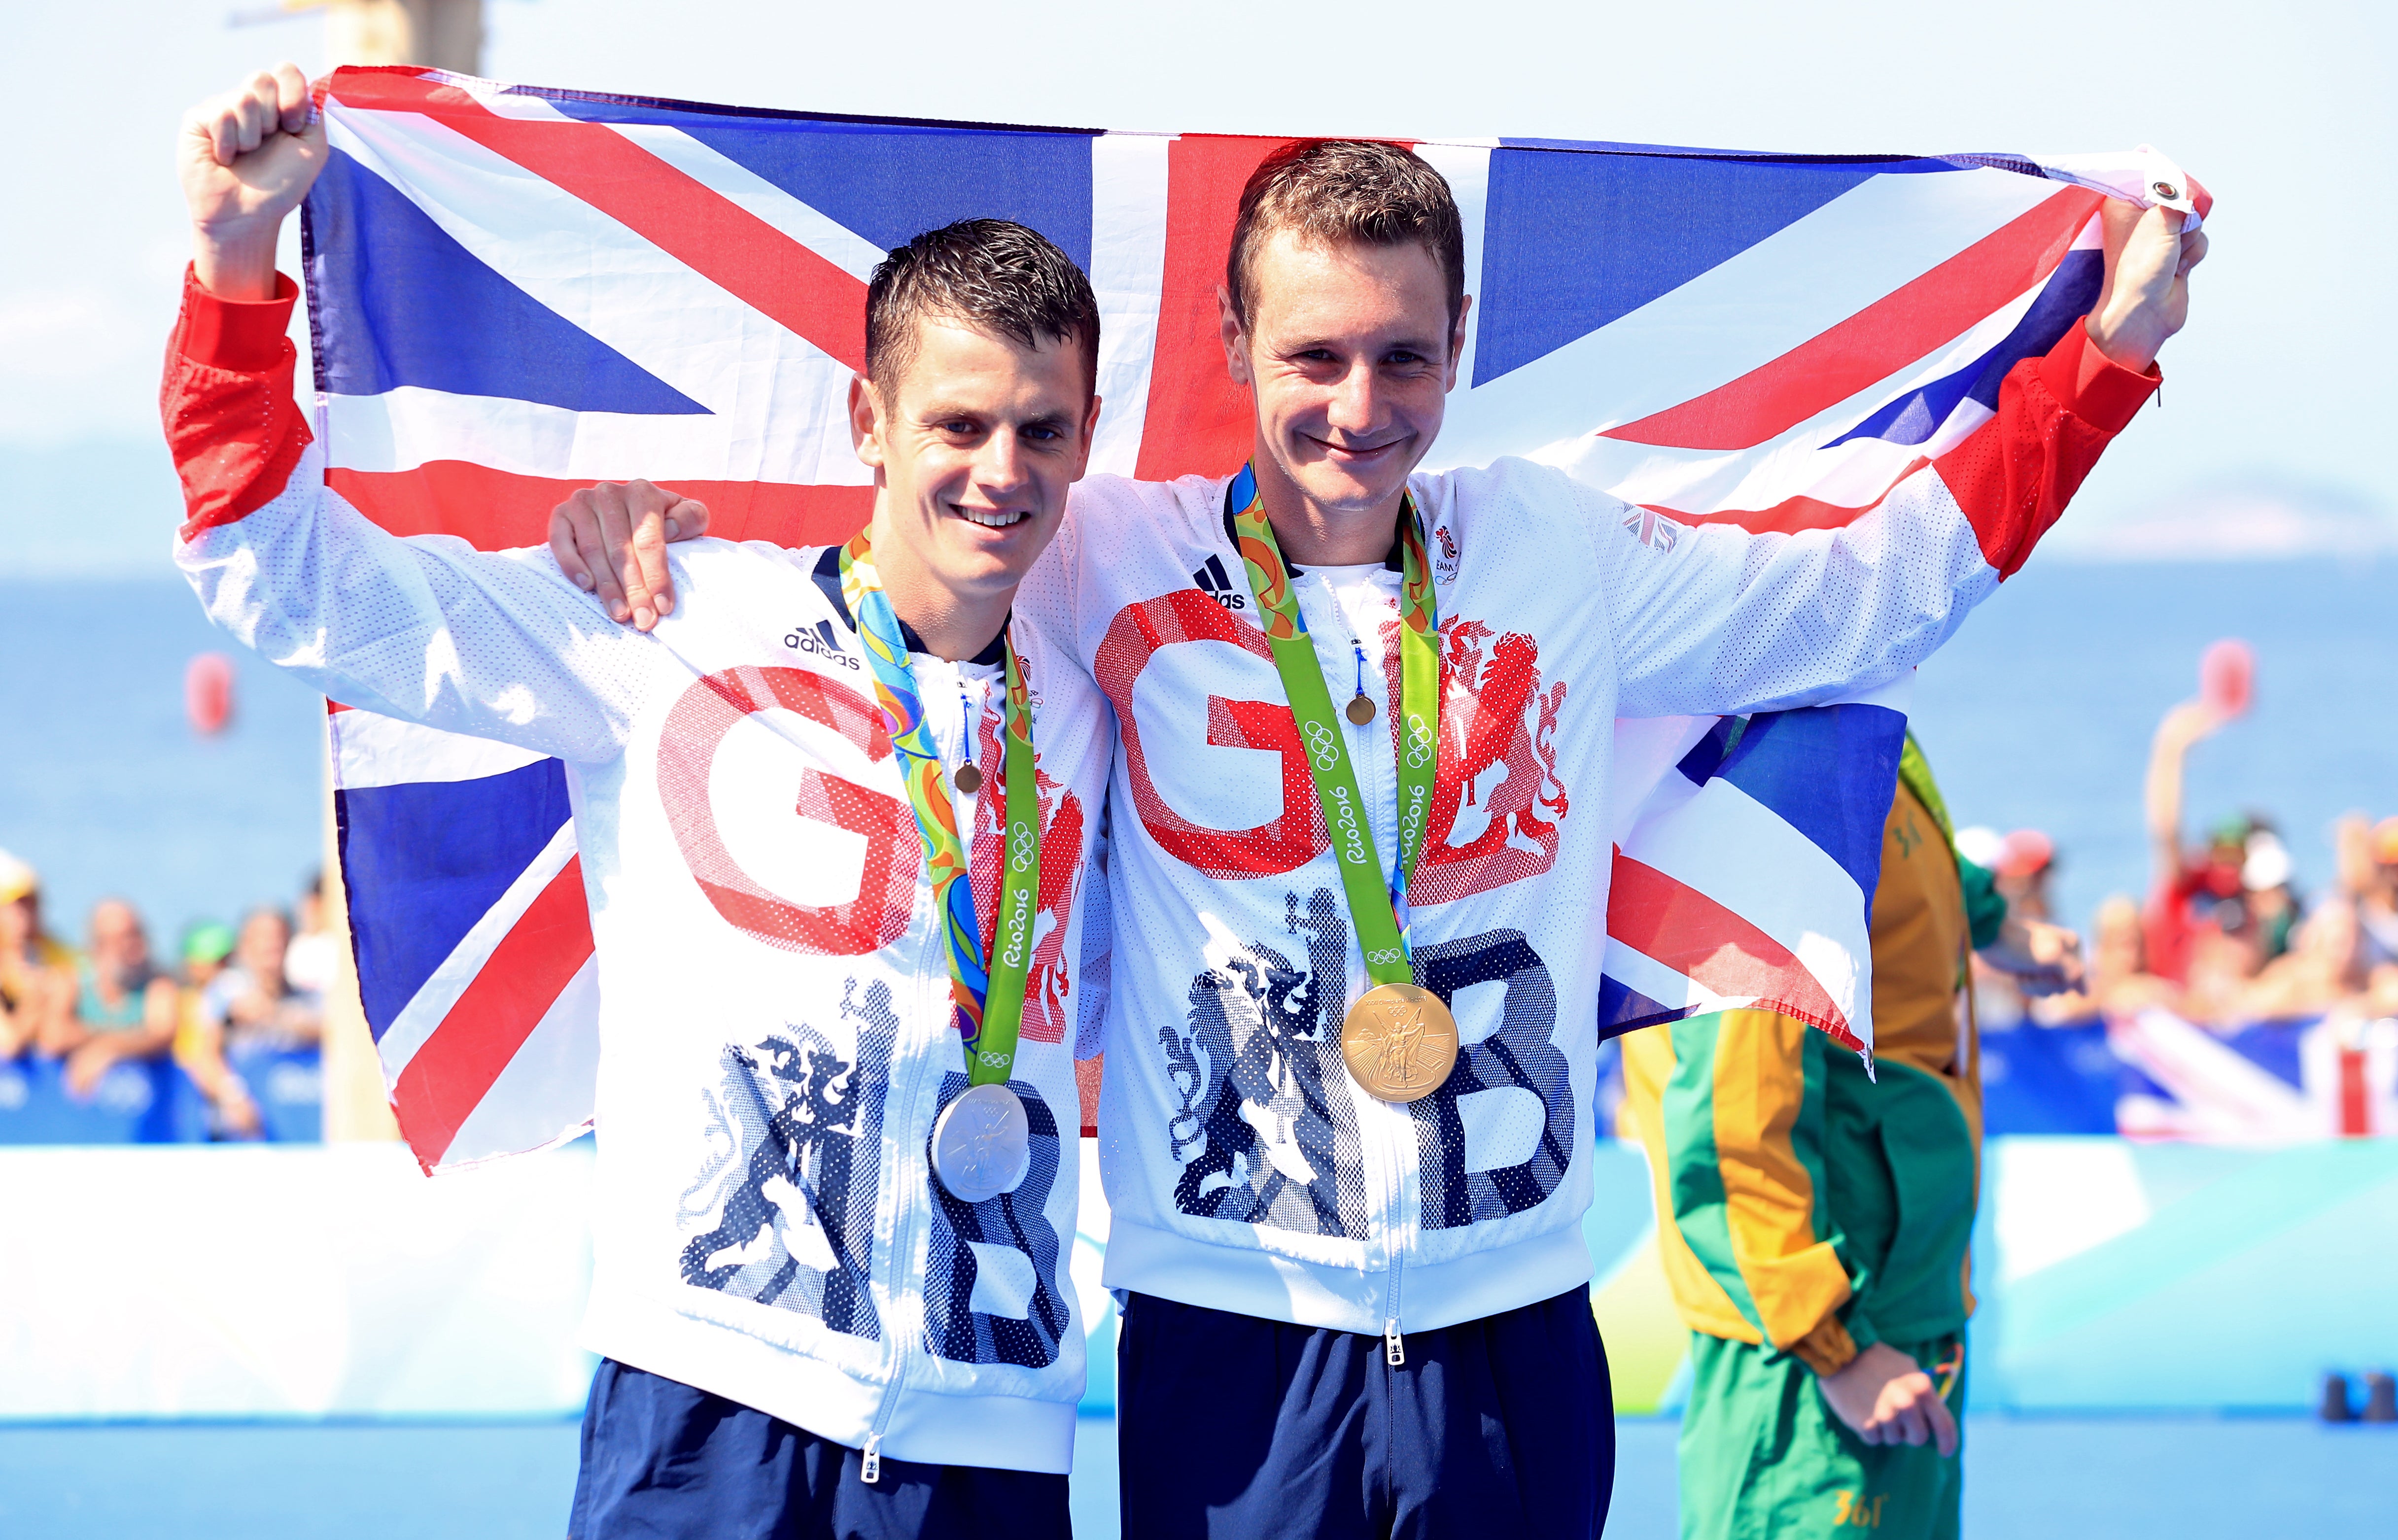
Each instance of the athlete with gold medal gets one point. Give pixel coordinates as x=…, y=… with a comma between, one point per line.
x=1398, y=1038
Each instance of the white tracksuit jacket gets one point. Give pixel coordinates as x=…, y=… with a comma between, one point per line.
x=776, y=1030
x=1245, y=1171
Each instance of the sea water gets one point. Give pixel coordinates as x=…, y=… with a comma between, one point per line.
x=2038, y=715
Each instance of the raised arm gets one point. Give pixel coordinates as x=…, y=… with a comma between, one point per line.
x=1729, y=621
x=499, y=645
x=2182, y=727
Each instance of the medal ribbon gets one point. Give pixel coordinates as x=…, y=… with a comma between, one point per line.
x=1373, y=907
x=989, y=999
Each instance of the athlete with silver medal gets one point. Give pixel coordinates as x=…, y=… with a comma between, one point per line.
x=982, y=1143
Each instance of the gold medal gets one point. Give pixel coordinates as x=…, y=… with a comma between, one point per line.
x=1399, y=1042
x=968, y=779
x=1361, y=711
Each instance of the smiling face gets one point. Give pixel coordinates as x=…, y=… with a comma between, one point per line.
x=973, y=459
x=1350, y=352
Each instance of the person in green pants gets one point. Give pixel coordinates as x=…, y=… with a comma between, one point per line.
x=1814, y=1222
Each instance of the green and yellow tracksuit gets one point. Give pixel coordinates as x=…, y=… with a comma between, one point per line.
x=1807, y=1210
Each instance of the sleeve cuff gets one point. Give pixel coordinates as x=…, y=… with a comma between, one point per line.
x=244, y=336
x=1827, y=1349
x=2093, y=386
x=1985, y=909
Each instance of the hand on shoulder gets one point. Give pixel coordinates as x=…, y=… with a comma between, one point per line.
x=611, y=541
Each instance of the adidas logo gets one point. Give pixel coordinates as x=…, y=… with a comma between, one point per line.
x=820, y=641
x=1215, y=585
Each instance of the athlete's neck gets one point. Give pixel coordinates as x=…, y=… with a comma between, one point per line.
x=951, y=623
x=1313, y=535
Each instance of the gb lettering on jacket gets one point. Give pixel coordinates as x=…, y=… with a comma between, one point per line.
x=705, y=759
x=1497, y=797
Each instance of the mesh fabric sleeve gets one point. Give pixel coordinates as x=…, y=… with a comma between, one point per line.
x=494, y=644
x=1726, y=620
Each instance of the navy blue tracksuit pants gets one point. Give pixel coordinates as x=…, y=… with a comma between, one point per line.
x=663, y=1461
x=1229, y=1427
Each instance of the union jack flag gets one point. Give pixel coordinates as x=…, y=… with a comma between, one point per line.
x=1652, y=529
x=2262, y=1083
x=516, y=292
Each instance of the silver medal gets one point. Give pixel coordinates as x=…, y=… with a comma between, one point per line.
x=982, y=1144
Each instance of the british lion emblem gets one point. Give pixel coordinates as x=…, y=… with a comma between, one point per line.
x=1496, y=798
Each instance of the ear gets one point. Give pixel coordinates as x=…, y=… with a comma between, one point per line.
x=1090, y=436
x=865, y=421
x=1236, y=337
x=1457, y=340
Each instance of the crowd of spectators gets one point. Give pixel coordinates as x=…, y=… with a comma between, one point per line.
x=2224, y=938
x=110, y=1002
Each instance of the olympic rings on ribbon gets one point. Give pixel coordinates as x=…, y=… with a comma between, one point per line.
x=1323, y=745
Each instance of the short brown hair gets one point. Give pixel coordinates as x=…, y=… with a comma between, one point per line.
x=1357, y=190
x=994, y=275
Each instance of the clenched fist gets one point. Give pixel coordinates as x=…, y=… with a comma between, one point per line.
x=246, y=158
x=2146, y=298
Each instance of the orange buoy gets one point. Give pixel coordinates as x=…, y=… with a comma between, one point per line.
x=207, y=693
x=2227, y=676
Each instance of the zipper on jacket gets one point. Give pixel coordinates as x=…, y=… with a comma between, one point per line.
x=908, y=1179
x=1365, y=746
x=1394, y=1346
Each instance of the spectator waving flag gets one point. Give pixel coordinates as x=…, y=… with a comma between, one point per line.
x=517, y=292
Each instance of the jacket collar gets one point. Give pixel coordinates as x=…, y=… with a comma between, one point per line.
x=1395, y=559
x=828, y=578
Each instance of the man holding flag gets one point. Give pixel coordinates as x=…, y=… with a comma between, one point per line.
x=1348, y=1074
x=835, y=1191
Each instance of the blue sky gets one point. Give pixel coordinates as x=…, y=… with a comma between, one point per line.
x=2280, y=395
